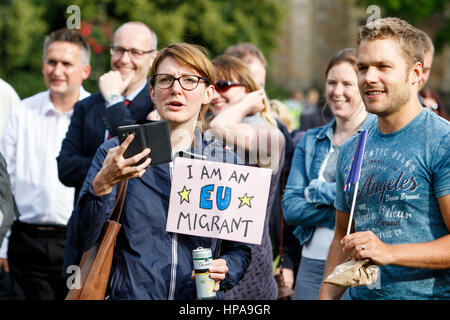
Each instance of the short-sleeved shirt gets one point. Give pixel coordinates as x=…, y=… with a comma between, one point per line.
x=402, y=176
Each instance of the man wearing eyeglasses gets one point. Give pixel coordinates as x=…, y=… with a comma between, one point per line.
x=124, y=98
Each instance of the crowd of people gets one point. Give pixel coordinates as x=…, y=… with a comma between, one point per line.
x=61, y=161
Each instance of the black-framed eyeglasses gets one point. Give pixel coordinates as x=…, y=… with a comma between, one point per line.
x=187, y=81
x=134, y=53
x=223, y=85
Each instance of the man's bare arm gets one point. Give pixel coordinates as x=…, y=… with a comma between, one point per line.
x=430, y=255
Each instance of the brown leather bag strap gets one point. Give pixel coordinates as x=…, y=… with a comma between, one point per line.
x=120, y=199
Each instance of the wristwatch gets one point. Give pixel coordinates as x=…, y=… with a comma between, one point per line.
x=113, y=99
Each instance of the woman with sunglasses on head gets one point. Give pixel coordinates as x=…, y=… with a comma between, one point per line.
x=241, y=116
x=310, y=191
x=150, y=263
x=242, y=119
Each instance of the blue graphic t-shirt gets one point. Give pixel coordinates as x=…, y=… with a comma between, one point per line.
x=402, y=175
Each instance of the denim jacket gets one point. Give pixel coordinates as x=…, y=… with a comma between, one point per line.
x=318, y=210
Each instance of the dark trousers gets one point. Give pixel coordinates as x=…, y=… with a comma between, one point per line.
x=35, y=256
x=9, y=288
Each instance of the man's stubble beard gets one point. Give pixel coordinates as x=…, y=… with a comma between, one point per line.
x=401, y=97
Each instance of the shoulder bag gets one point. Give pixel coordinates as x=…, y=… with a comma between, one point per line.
x=95, y=264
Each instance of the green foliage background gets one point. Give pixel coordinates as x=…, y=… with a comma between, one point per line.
x=214, y=24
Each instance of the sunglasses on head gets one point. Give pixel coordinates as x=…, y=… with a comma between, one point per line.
x=223, y=85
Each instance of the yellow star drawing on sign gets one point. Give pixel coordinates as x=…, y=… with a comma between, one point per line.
x=245, y=200
x=184, y=195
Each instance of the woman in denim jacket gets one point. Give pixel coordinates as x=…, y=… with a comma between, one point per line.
x=308, y=200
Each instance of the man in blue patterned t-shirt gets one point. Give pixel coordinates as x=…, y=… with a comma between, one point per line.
x=402, y=212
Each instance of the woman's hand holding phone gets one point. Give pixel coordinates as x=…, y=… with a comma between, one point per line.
x=116, y=168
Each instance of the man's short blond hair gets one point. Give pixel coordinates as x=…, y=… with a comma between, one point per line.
x=394, y=28
x=426, y=41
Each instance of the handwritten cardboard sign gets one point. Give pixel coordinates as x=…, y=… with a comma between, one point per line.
x=218, y=200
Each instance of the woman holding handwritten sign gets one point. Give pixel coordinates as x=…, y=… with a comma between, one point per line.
x=150, y=263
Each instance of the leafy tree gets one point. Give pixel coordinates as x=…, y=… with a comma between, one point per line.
x=214, y=24
x=21, y=28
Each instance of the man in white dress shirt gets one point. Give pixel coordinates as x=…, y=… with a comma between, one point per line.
x=30, y=143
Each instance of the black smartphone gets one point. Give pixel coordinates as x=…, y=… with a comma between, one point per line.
x=158, y=140
x=154, y=135
x=137, y=145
